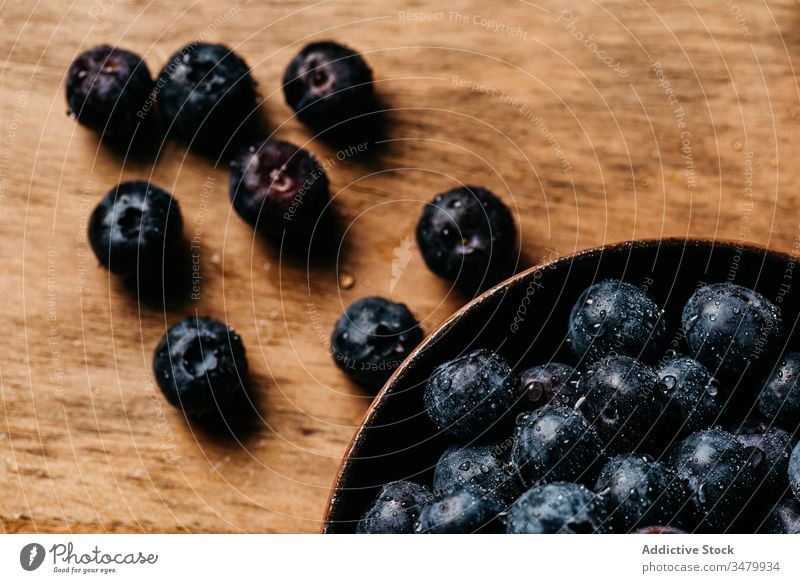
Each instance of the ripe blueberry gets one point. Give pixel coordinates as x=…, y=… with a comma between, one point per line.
x=200, y=364
x=784, y=518
x=275, y=185
x=327, y=83
x=108, y=91
x=461, y=512
x=694, y=395
x=206, y=93
x=478, y=467
x=794, y=471
x=467, y=396
x=780, y=398
x=136, y=228
x=558, y=508
x=467, y=235
x=556, y=444
x=372, y=337
x=395, y=510
x=640, y=491
x=614, y=317
x=773, y=447
x=553, y=382
x=622, y=399
x=730, y=328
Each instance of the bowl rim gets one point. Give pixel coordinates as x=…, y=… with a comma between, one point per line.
x=596, y=251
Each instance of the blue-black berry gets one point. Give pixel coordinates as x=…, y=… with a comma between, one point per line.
x=730, y=328
x=276, y=186
x=200, y=364
x=396, y=509
x=794, y=471
x=784, y=518
x=558, y=508
x=553, y=382
x=614, y=317
x=469, y=395
x=770, y=448
x=695, y=400
x=136, y=228
x=779, y=399
x=467, y=235
x=372, y=337
x=479, y=467
x=464, y=511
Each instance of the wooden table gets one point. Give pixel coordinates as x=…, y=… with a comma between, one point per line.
x=672, y=118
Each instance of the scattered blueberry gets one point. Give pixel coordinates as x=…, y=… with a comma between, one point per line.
x=784, y=518
x=200, y=364
x=327, y=83
x=206, y=93
x=780, y=397
x=730, y=328
x=794, y=471
x=553, y=382
x=623, y=399
x=639, y=491
x=478, y=467
x=660, y=530
x=774, y=446
x=467, y=235
x=558, y=508
x=461, y=512
x=108, y=91
x=136, y=228
x=556, y=444
x=275, y=185
x=719, y=476
x=693, y=392
x=372, y=337
x=396, y=509
x=467, y=396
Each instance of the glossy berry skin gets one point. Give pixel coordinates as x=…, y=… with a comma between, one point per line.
x=467, y=235
x=372, y=337
x=481, y=468
x=719, y=477
x=614, y=317
x=206, y=93
x=276, y=186
x=639, y=491
x=467, y=396
x=623, y=400
x=774, y=446
x=660, y=530
x=557, y=508
x=794, y=471
x=555, y=444
x=694, y=396
x=730, y=328
x=784, y=518
x=553, y=382
x=136, y=228
x=108, y=91
x=461, y=512
x=200, y=364
x=780, y=397
x=327, y=83
x=396, y=509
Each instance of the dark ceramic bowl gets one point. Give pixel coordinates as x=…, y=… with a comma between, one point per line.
x=525, y=320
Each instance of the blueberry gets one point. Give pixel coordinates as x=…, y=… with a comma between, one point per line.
x=623, y=399
x=639, y=491
x=773, y=447
x=657, y=529
x=794, y=471
x=372, y=337
x=467, y=235
x=461, y=512
x=783, y=519
x=553, y=382
x=206, y=93
x=558, y=508
x=136, y=228
x=396, y=509
x=719, y=477
x=200, y=364
x=780, y=398
x=467, y=396
x=693, y=392
x=555, y=444
x=327, y=83
x=614, y=317
x=275, y=185
x=730, y=328
x=108, y=91
x=481, y=468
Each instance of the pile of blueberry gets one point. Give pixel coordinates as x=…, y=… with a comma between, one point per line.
x=635, y=438
x=205, y=95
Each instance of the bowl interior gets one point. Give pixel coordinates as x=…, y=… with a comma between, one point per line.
x=525, y=320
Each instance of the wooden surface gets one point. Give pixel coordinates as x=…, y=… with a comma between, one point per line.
x=582, y=137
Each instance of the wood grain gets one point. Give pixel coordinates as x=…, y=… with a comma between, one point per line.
x=672, y=118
